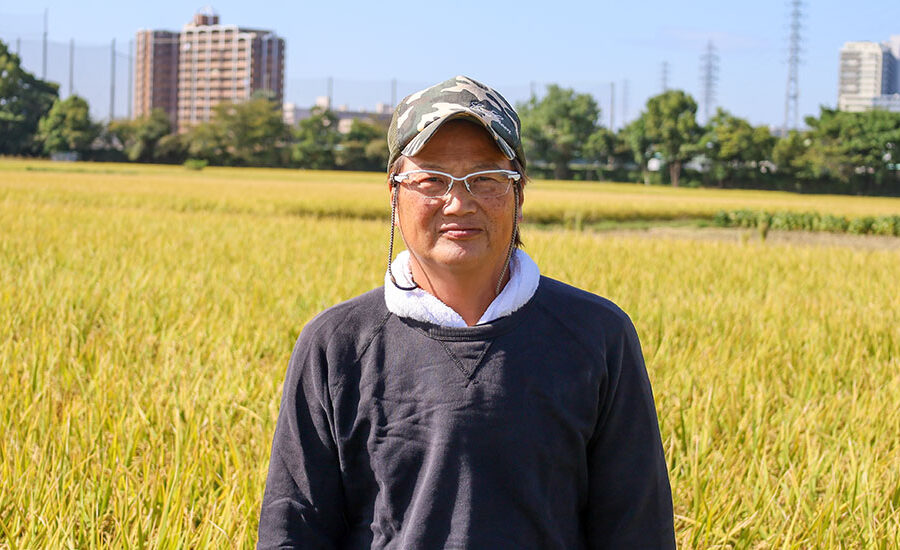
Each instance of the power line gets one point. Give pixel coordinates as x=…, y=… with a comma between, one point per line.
x=709, y=69
x=792, y=91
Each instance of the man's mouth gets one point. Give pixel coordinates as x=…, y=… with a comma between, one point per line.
x=456, y=231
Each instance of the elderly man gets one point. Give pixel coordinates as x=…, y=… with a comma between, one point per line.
x=470, y=402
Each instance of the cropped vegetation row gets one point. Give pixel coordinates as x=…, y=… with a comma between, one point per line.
x=363, y=195
x=809, y=221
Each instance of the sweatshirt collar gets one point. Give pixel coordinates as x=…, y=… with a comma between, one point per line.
x=419, y=305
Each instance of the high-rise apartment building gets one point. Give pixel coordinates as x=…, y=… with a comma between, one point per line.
x=215, y=63
x=156, y=73
x=869, y=75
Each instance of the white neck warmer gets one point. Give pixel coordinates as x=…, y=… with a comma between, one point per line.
x=417, y=304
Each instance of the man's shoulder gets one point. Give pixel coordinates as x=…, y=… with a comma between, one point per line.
x=353, y=319
x=576, y=307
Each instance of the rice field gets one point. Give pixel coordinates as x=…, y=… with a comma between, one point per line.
x=148, y=313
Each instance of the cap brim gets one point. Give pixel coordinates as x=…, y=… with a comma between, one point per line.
x=418, y=143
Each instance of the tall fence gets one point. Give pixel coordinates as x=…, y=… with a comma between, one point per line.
x=102, y=73
x=98, y=72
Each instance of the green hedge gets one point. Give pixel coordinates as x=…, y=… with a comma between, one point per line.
x=809, y=221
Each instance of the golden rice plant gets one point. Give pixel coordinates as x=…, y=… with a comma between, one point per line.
x=148, y=313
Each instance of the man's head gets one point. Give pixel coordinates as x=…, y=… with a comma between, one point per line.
x=420, y=115
x=438, y=137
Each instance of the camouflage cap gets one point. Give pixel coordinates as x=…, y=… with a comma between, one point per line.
x=419, y=116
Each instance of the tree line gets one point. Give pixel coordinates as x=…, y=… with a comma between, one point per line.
x=837, y=152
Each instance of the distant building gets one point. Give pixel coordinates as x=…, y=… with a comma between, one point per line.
x=214, y=63
x=869, y=74
x=292, y=114
x=156, y=74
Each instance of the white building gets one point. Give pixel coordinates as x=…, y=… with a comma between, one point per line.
x=292, y=114
x=869, y=76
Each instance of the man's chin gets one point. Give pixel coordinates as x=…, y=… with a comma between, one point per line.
x=461, y=253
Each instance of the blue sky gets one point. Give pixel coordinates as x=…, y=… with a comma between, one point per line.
x=512, y=45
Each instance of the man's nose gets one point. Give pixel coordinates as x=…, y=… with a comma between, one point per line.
x=458, y=199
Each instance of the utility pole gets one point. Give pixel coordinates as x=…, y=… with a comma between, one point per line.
x=709, y=68
x=393, y=92
x=71, y=66
x=18, y=44
x=612, y=106
x=44, y=55
x=624, y=102
x=330, y=93
x=130, y=75
x=792, y=91
x=112, y=81
x=665, y=76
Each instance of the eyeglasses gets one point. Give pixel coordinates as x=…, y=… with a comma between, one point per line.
x=482, y=185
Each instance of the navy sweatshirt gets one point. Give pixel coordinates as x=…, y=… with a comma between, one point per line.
x=537, y=430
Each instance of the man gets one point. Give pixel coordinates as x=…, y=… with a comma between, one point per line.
x=470, y=402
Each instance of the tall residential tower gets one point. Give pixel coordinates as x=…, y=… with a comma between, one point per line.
x=215, y=63
x=869, y=75
x=156, y=74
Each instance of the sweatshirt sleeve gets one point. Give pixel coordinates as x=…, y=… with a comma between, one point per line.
x=303, y=503
x=630, y=500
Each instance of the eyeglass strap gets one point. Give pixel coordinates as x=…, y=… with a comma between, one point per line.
x=512, y=240
x=395, y=188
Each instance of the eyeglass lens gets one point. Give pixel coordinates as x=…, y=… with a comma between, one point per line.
x=482, y=185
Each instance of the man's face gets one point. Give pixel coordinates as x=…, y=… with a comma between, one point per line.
x=457, y=231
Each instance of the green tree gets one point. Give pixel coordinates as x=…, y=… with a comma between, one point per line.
x=68, y=127
x=360, y=147
x=635, y=136
x=670, y=121
x=316, y=139
x=172, y=148
x=250, y=133
x=24, y=100
x=603, y=147
x=734, y=147
x=857, y=150
x=253, y=132
x=140, y=137
x=600, y=146
x=790, y=155
x=556, y=127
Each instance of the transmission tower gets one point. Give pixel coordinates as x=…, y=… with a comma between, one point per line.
x=709, y=71
x=664, y=76
x=792, y=92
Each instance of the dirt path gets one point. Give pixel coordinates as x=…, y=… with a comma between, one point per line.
x=870, y=242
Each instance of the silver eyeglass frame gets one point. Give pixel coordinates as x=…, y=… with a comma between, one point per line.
x=514, y=177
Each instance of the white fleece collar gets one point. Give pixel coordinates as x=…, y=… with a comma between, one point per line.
x=417, y=304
